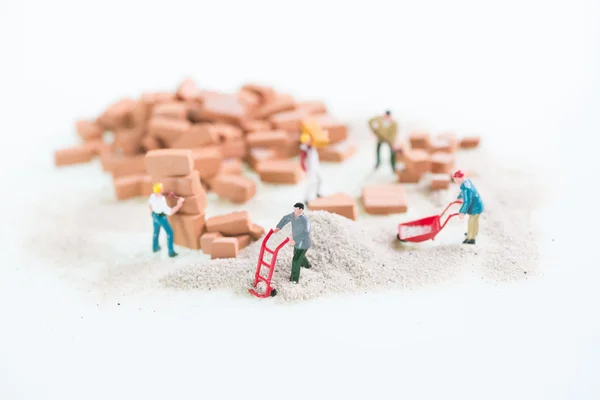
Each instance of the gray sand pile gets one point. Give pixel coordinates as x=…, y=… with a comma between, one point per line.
x=349, y=256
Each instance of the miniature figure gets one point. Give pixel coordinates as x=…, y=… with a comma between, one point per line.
x=386, y=130
x=309, y=160
x=472, y=205
x=300, y=239
x=160, y=210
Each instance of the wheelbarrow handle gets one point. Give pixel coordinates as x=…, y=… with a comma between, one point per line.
x=450, y=205
x=448, y=219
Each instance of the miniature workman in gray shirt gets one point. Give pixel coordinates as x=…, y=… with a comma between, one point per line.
x=300, y=238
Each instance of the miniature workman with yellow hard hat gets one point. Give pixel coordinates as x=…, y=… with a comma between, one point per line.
x=309, y=161
x=160, y=210
x=386, y=130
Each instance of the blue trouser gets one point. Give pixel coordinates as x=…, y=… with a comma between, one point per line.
x=160, y=220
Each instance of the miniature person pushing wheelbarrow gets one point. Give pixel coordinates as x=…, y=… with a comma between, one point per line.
x=472, y=205
x=300, y=238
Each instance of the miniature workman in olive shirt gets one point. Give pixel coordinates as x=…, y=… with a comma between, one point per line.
x=386, y=130
x=300, y=238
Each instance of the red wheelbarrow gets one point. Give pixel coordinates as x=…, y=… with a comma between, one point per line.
x=425, y=228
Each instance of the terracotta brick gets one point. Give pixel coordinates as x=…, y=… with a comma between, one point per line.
x=172, y=109
x=280, y=171
x=470, y=142
x=199, y=135
x=221, y=108
x=127, y=187
x=227, y=132
x=236, y=188
x=207, y=239
x=124, y=166
x=442, y=163
x=73, y=155
x=260, y=154
x=400, y=149
x=280, y=103
x=99, y=147
x=417, y=161
x=338, y=131
x=231, y=166
x=167, y=130
x=195, y=204
x=385, y=199
x=337, y=152
x=243, y=241
x=188, y=185
x=256, y=231
x=289, y=121
x=150, y=143
x=146, y=185
x=188, y=90
x=128, y=141
x=187, y=229
x=169, y=162
x=452, y=139
x=419, y=140
x=339, y=203
x=232, y=224
x=109, y=160
x=312, y=107
x=256, y=125
x=207, y=161
x=291, y=148
x=265, y=93
x=437, y=145
x=277, y=138
x=234, y=149
x=440, y=181
x=406, y=176
x=249, y=99
x=118, y=115
x=89, y=130
x=224, y=247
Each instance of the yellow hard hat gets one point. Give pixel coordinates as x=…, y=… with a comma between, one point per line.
x=157, y=188
x=304, y=138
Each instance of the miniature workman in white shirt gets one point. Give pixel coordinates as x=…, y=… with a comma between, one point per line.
x=309, y=160
x=160, y=210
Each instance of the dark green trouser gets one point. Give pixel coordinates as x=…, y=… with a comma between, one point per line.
x=392, y=154
x=298, y=260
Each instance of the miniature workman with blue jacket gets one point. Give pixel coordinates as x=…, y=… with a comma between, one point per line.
x=472, y=205
x=300, y=238
x=160, y=210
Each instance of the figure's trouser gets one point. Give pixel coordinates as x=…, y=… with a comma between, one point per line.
x=392, y=154
x=299, y=259
x=161, y=221
x=313, y=185
x=473, y=226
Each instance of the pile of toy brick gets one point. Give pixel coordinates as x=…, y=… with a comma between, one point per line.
x=257, y=124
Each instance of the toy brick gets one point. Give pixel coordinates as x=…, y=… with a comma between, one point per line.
x=437, y=145
x=123, y=166
x=73, y=155
x=339, y=203
x=221, y=108
x=312, y=107
x=385, y=199
x=150, y=143
x=187, y=229
x=442, y=163
x=224, y=247
x=280, y=171
x=188, y=185
x=207, y=161
x=417, y=161
x=452, y=139
x=234, y=149
x=278, y=104
x=207, y=239
x=231, y=166
x=227, y=132
x=289, y=121
x=169, y=162
x=256, y=125
x=291, y=147
x=99, y=147
x=276, y=138
x=419, y=140
x=259, y=154
x=337, y=130
x=127, y=187
x=89, y=130
x=440, y=181
x=236, y=188
x=167, y=130
x=243, y=241
x=470, y=142
x=249, y=99
x=128, y=141
x=235, y=223
x=266, y=93
x=406, y=176
x=172, y=109
x=195, y=204
x=146, y=185
x=337, y=152
x=188, y=90
x=256, y=231
x=117, y=114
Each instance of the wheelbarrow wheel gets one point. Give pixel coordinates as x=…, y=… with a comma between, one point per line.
x=273, y=292
x=398, y=237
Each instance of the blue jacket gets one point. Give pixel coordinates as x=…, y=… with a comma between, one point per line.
x=472, y=203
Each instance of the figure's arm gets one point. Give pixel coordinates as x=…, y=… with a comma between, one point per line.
x=467, y=198
x=374, y=123
x=171, y=211
x=284, y=221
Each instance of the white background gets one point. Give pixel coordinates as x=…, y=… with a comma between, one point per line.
x=521, y=73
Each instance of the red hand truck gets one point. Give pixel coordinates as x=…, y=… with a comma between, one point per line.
x=270, y=291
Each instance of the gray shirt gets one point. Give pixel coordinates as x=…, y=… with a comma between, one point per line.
x=300, y=229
